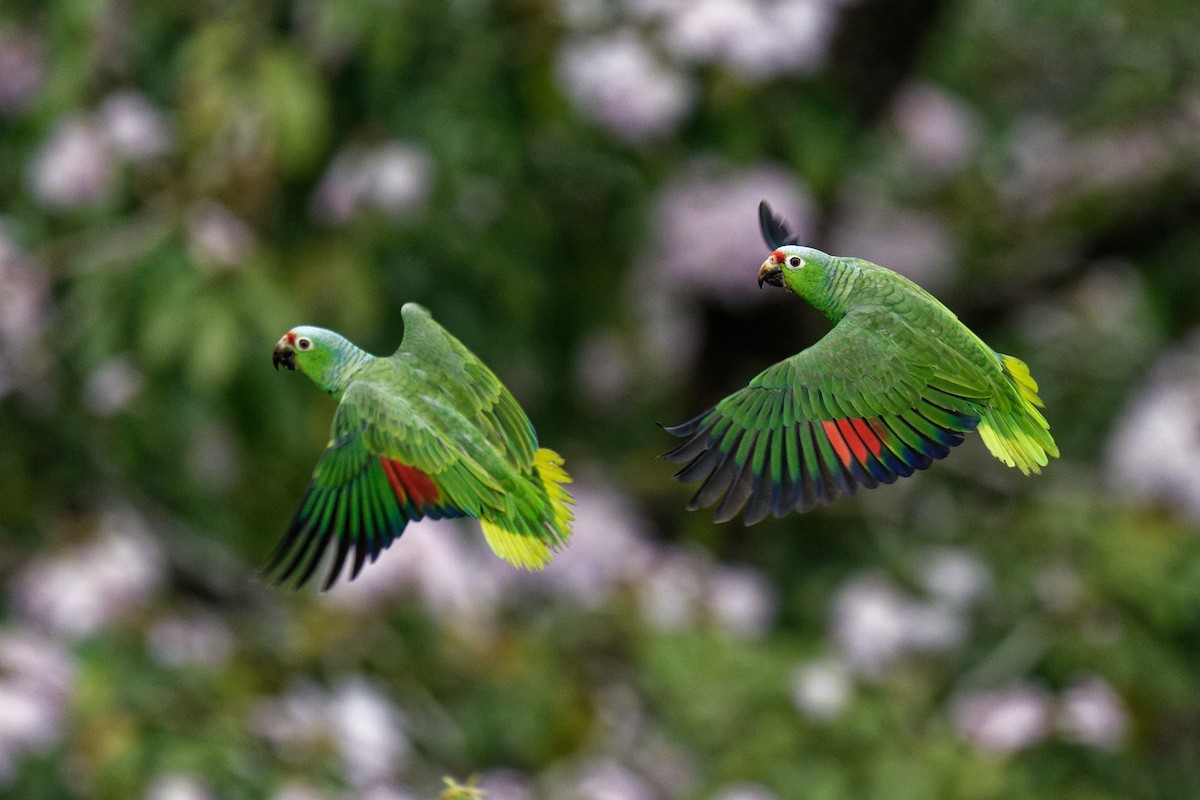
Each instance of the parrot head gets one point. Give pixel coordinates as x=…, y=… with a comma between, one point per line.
x=313, y=351
x=798, y=269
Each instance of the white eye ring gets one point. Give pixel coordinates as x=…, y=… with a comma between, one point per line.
x=795, y=262
x=304, y=344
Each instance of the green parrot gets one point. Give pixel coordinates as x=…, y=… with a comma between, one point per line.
x=896, y=383
x=426, y=432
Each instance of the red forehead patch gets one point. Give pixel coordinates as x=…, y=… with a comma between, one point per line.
x=290, y=338
x=778, y=256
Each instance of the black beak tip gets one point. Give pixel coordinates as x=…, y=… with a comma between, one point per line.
x=773, y=276
x=283, y=357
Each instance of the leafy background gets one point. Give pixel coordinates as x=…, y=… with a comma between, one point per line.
x=570, y=186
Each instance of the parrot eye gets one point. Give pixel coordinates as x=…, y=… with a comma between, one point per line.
x=795, y=262
x=304, y=344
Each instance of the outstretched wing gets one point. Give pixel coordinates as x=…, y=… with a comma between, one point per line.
x=382, y=468
x=774, y=230
x=856, y=409
x=478, y=393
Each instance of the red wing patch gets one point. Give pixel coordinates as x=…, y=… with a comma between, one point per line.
x=866, y=432
x=853, y=439
x=850, y=432
x=869, y=439
x=412, y=486
x=839, y=444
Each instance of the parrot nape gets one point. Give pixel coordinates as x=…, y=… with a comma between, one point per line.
x=896, y=383
x=427, y=432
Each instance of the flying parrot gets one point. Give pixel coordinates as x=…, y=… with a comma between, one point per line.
x=896, y=383
x=426, y=432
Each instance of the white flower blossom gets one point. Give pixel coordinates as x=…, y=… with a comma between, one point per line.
x=955, y=576
x=1003, y=721
x=178, y=786
x=358, y=719
x=24, y=295
x=939, y=131
x=457, y=579
x=295, y=790
x=609, y=546
x=36, y=662
x=134, y=129
x=917, y=244
x=670, y=594
x=1152, y=452
x=369, y=733
x=809, y=26
x=401, y=175
x=745, y=791
x=196, y=639
x=607, y=779
x=36, y=683
x=617, y=81
x=869, y=624
x=94, y=584
x=741, y=601
x=217, y=238
x=22, y=69
x=507, y=784
x=721, y=31
x=74, y=167
x=29, y=724
x=383, y=792
x=112, y=386
x=875, y=624
x=393, y=178
x=821, y=689
x=752, y=38
x=706, y=235
x=1092, y=713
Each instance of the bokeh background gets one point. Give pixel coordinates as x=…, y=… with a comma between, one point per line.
x=571, y=187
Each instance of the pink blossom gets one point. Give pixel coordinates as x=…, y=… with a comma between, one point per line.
x=112, y=386
x=217, y=238
x=939, y=131
x=134, y=129
x=741, y=601
x=74, y=167
x=618, y=81
x=1002, y=721
x=89, y=586
x=706, y=236
x=22, y=70
x=821, y=689
x=1092, y=713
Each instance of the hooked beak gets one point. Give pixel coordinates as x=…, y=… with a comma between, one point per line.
x=284, y=355
x=770, y=272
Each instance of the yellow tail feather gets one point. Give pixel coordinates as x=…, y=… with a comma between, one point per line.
x=1026, y=385
x=531, y=543
x=1021, y=436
